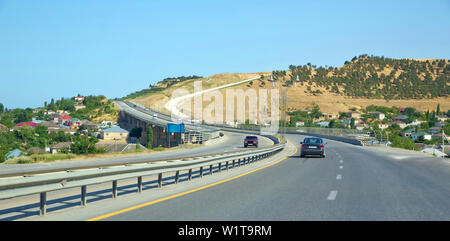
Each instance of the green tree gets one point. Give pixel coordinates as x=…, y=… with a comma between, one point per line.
x=2, y=108
x=446, y=129
x=332, y=124
x=401, y=142
x=149, y=137
x=136, y=132
x=315, y=112
x=84, y=145
x=23, y=115
x=52, y=105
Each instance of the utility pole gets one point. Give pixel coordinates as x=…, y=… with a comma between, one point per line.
x=285, y=108
x=443, y=141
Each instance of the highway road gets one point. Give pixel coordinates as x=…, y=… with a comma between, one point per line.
x=231, y=142
x=24, y=207
x=351, y=183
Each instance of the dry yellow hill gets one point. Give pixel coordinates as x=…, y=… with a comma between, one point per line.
x=384, y=76
x=298, y=98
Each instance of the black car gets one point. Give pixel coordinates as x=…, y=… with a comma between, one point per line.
x=312, y=146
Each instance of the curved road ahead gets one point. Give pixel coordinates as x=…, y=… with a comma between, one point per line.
x=351, y=183
x=231, y=142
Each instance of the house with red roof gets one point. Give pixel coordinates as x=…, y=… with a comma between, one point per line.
x=27, y=123
x=65, y=118
x=74, y=122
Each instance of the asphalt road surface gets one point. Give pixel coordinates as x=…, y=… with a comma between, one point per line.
x=27, y=206
x=351, y=183
x=232, y=142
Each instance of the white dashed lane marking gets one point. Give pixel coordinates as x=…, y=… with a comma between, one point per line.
x=332, y=195
x=339, y=177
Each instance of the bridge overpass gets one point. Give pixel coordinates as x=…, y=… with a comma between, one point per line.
x=132, y=115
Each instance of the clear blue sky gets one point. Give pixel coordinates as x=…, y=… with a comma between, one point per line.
x=54, y=49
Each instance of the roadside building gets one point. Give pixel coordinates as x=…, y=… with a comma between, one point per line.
x=400, y=118
x=61, y=147
x=54, y=127
x=434, y=130
x=64, y=118
x=14, y=153
x=25, y=124
x=440, y=124
x=105, y=124
x=62, y=112
x=80, y=99
x=78, y=107
x=415, y=123
x=114, y=133
x=299, y=123
x=407, y=133
x=442, y=117
x=35, y=150
x=329, y=116
x=383, y=126
x=90, y=125
x=74, y=122
x=37, y=121
x=417, y=135
x=378, y=115
x=439, y=137
x=361, y=126
x=323, y=123
x=354, y=114
x=54, y=118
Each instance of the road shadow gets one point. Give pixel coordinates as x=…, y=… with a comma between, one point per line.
x=71, y=201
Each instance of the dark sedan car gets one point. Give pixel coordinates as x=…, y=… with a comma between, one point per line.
x=312, y=146
x=251, y=140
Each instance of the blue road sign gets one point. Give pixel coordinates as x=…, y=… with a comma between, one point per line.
x=175, y=128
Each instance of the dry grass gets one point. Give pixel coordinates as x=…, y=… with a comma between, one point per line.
x=298, y=98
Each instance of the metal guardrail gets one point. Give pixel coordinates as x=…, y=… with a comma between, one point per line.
x=42, y=183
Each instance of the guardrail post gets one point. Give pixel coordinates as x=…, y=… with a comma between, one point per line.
x=210, y=170
x=220, y=166
x=177, y=176
x=234, y=163
x=83, y=196
x=160, y=180
x=43, y=204
x=227, y=166
x=201, y=171
x=114, y=189
x=190, y=174
x=139, y=184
